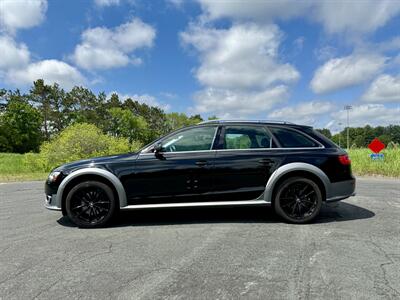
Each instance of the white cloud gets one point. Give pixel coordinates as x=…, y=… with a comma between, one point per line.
x=143, y=98
x=370, y=114
x=304, y=113
x=385, y=88
x=239, y=68
x=228, y=103
x=20, y=14
x=102, y=3
x=13, y=55
x=265, y=11
x=176, y=3
x=346, y=71
x=335, y=16
x=51, y=71
x=104, y=48
x=355, y=16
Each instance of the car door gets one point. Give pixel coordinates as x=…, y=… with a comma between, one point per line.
x=244, y=162
x=181, y=172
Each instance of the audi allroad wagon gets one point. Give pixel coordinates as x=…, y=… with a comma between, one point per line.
x=290, y=167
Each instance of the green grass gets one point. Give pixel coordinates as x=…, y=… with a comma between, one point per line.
x=15, y=167
x=362, y=164
x=19, y=167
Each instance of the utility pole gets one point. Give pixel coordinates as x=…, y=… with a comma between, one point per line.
x=347, y=108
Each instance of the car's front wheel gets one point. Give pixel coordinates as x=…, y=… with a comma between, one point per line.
x=90, y=204
x=298, y=200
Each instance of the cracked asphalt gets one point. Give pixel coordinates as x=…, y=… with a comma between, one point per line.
x=352, y=251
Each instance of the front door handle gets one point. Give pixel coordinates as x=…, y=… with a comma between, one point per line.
x=201, y=163
x=266, y=162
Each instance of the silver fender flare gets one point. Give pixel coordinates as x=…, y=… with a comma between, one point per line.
x=281, y=171
x=93, y=171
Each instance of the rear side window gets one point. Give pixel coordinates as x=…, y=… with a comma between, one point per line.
x=292, y=139
x=320, y=138
x=247, y=137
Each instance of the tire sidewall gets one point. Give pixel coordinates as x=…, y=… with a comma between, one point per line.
x=86, y=184
x=289, y=181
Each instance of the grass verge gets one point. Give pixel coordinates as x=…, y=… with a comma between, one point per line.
x=20, y=167
x=15, y=167
x=362, y=164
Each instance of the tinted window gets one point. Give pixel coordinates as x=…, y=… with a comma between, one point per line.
x=320, y=138
x=292, y=139
x=194, y=139
x=246, y=137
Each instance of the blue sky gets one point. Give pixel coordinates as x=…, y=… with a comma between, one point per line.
x=297, y=61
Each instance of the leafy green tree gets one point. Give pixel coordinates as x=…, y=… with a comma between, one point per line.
x=178, y=120
x=123, y=123
x=81, y=141
x=20, y=127
x=154, y=116
x=39, y=95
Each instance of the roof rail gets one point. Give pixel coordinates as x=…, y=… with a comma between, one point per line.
x=246, y=121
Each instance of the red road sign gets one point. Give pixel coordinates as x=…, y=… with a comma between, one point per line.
x=376, y=145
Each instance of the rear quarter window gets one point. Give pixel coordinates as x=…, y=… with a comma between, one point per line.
x=289, y=138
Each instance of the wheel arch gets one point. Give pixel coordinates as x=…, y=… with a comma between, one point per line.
x=296, y=169
x=91, y=174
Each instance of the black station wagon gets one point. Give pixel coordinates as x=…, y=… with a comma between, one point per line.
x=216, y=163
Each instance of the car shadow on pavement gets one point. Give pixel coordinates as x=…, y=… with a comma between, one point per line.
x=335, y=212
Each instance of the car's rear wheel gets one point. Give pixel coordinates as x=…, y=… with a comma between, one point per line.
x=298, y=200
x=90, y=204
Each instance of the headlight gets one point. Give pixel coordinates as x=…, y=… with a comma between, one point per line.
x=54, y=176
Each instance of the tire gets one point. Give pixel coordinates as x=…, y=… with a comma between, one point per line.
x=90, y=204
x=298, y=200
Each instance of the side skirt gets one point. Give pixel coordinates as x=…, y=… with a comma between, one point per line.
x=198, y=204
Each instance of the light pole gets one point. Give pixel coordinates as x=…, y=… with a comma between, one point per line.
x=347, y=108
x=340, y=132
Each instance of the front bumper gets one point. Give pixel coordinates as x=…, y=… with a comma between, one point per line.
x=50, y=202
x=341, y=190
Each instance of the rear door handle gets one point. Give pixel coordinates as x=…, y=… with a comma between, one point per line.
x=201, y=163
x=266, y=162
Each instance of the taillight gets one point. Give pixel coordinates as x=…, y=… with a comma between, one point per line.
x=344, y=160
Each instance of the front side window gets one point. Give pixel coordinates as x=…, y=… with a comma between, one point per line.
x=194, y=139
x=246, y=137
x=292, y=139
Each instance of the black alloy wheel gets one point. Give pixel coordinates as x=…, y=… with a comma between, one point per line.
x=90, y=204
x=298, y=200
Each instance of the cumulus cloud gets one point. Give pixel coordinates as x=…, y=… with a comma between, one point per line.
x=21, y=14
x=51, y=71
x=239, y=68
x=335, y=16
x=385, y=88
x=142, y=98
x=13, y=55
x=304, y=113
x=229, y=103
x=104, y=3
x=16, y=67
x=346, y=71
x=370, y=114
x=105, y=48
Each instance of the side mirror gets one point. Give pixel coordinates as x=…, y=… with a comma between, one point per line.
x=158, y=148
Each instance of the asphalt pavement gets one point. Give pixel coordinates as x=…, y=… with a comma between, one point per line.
x=352, y=251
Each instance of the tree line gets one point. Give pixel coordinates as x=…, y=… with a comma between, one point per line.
x=29, y=119
x=360, y=137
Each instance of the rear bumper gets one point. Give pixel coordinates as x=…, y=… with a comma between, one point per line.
x=341, y=190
